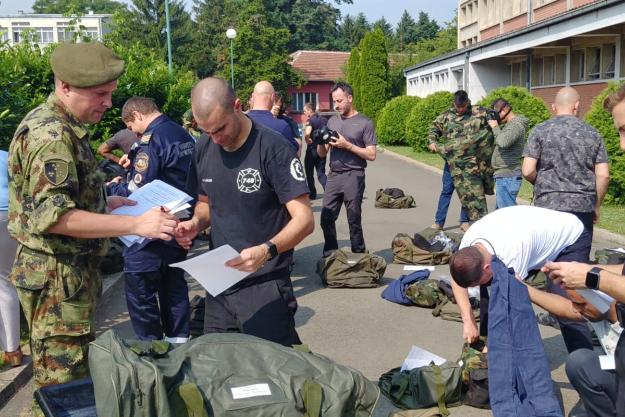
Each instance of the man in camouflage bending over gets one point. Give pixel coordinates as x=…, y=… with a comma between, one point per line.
x=465, y=140
x=57, y=212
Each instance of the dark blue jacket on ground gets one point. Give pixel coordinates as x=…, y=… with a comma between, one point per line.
x=519, y=377
x=396, y=290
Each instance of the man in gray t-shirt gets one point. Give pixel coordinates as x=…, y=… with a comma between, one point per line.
x=124, y=139
x=349, y=153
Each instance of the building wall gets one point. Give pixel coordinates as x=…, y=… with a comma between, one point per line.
x=548, y=10
x=516, y=23
x=322, y=88
x=49, y=28
x=490, y=32
x=485, y=77
x=587, y=93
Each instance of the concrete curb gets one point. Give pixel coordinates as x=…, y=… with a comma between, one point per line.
x=600, y=233
x=13, y=379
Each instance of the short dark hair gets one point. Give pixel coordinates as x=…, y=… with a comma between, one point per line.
x=612, y=100
x=461, y=98
x=309, y=106
x=500, y=104
x=143, y=105
x=341, y=85
x=466, y=266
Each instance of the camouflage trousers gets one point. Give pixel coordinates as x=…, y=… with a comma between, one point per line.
x=58, y=295
x=472, y=188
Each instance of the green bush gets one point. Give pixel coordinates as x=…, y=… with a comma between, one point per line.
x=374, y=87
x=522, y=102
x=422, y=115
x=391, y=126
x=603, y=122
x=26, y=80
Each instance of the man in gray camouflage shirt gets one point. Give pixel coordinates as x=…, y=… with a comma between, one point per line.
x=567, y=162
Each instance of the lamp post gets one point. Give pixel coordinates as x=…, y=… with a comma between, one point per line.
x=168, y=28
x=231, y=34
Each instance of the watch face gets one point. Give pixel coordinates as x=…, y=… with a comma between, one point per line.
x=592, y=278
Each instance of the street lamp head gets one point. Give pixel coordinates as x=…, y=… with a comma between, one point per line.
x=231, y=33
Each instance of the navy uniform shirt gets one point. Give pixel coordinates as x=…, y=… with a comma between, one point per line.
x=247, y=190
x=265, y=118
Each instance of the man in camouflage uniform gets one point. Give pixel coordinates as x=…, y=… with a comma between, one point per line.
x=567, y=162
x=57, y=212
x=465, y=140
x=190, y=125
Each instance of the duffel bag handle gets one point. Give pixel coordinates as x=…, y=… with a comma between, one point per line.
x=157, y=349
x=193, y=400
x=404, y=383
x=312, y=397
x=440, y=389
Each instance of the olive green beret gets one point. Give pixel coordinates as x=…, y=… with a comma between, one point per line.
x=86, y=64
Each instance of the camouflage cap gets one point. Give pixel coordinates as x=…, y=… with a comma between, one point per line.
x=86, y=64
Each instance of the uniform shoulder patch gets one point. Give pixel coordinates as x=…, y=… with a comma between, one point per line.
x=56, y=168
x=297, y=171
x=142, y=161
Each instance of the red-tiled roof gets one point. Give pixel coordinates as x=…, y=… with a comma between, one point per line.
x=320, y=65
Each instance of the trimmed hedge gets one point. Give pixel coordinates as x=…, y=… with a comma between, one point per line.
x=374, y=88
x=391, y=127
x=522, y=102
x=603, y=122
x=422, y=115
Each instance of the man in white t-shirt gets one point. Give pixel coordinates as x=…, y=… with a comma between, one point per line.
x=523, y=237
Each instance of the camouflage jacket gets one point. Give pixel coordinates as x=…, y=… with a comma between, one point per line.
x=464, y=141
x=52, y=169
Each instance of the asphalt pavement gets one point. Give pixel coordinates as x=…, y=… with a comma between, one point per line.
x=356, y=327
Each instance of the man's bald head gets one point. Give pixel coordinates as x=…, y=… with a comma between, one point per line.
x=262, y=97
x=567, y=101
x=209, y=94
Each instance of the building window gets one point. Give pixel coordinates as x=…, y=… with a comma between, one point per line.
x=608, y=53
x=4, y=34
x=578, y=65
x=18, y=29
x=517, y=73
x=44, y=35
x=64, y=33
x=459, y=77
x=593, y=63
x=560, y=69
x=299, y=99
x=92, y=33
x=538, y=71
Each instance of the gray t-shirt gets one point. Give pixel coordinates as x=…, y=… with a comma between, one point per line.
x=567, y=150
x=124, y=139
x=358, y=130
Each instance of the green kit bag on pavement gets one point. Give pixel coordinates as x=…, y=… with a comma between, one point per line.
x=344, y=269
x=424, y=293
x=221, y=375
x=393, y=200
x=424, y=387
x=405, y=251
x=609, y=257
x=475, y=374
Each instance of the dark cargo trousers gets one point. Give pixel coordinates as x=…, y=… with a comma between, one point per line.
x=313, y=162
x=265, y=308
x=343, y=188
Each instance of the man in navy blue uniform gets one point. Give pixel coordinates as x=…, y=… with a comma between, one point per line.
x=312, y=161
x=164, y=152
x=260, y=112
x=252, y=192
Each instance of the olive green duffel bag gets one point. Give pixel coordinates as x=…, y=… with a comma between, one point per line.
x=344, y=269
x=225, y=374
x=405, y=251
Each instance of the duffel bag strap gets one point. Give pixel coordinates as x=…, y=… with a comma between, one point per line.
x=312, y=396
x=440, y=389
x=193, y=400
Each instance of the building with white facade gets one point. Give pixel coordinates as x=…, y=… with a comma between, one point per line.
x=51, y=28
x=558, y=43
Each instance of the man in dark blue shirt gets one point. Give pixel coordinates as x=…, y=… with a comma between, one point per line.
x=312, y=160
x=164, y=152
x=252, y=192
x=262, y=102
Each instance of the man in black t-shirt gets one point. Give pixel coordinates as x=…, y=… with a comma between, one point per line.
x=312, y=161
x=252, y=192
x=349, y=153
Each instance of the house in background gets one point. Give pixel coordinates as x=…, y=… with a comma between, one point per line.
x=50, y=28
x=321, y=69
x=542, y=45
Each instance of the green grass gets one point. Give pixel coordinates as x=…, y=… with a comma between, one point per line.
x=611, y=216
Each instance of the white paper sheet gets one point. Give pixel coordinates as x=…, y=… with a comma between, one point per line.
x=210, y=271
x=420, y=357
x=607, y=362
x=599, y=299
x=418, y=268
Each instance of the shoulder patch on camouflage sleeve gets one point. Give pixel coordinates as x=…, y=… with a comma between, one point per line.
x=56, y=168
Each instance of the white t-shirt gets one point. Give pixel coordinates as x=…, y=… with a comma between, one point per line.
x=524, y=237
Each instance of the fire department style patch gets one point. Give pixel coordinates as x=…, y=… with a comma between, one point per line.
x=56, y=170
x=297, y=171
x=137, y=179
x=249, y=180
x=141, y=162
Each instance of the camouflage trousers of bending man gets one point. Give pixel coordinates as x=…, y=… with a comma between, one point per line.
x=58, y=295
x=472, y=185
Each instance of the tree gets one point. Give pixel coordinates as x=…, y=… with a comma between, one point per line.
x=353, y=74
x=313, y=24
x=353, y=30
x=77, y=6
x=374, y=87
x=425, y=28
x=145, y=23
x=406, y=30
x=260, y=54
x=384, y=26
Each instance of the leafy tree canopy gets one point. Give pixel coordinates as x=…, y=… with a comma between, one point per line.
x=77, y=6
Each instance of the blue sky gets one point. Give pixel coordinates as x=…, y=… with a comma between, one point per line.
x=441, y=10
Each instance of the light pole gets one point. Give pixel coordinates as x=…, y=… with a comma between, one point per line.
x=231, y=34
x=168, y=28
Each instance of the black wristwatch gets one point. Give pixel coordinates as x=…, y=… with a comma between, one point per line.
x=272, y=250
x=592, y=278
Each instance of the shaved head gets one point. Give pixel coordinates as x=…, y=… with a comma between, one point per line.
x=263, y=95
x=209, y=94
x=567, y=101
